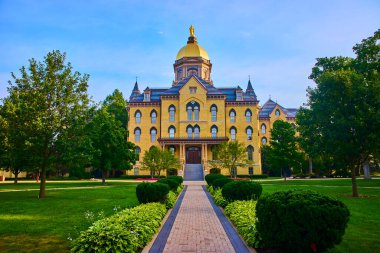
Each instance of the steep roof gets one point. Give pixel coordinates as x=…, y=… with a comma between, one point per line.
x=269, y=106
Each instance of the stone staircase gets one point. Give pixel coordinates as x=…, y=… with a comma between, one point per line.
x=193, y=172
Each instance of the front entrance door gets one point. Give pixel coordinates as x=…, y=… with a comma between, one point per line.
x=193, y=155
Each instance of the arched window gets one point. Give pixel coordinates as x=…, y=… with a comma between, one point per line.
x=277, y=113
x=153, y=134
x=189, y=131
x=138, y=117
x=248, y=131
x=196, y=113
x=171, y=131
x=172, y=149
x=232, y=115
x=138, y=151
x=214, y=131
x=196, y=131
x=214, y=110
x=137, y=134
x=250, y=152
x=248, y=115
x=189, y=113
x=233, y=133
x=263, y=128
x=264, y=140
x=171, y=113
x=153, y=117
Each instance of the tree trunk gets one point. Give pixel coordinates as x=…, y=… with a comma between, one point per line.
x=103, y=177
x=310, y=165
x=43, y=182
x=354, y=184
x=16, y=172
x=366, y=170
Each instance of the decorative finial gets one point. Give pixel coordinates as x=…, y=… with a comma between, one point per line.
x=136, y=79
x=191, y=29
x=249, y=77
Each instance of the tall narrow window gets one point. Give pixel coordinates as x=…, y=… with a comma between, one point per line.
x=196, y=113
x=213, y=112
x=189, y=113
x=250, y=170
x=248, y=116
x=172, y=150
x=196, y=132
x=138, y=151
x=171, y=113
x=249, y=133
x=263, y=128
x=153, y=134
x=138, y=117
x=153, y=117
x=232, y=116
x=233, y=133
x=250, y=152
x=137, y=134
x=264, y=140
x=189, y=132
x=214, y=131
x=277, y=113
x=171, y=131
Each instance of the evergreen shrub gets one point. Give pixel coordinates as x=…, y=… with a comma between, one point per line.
x=152, y=192
x=173, y=183
x=220, y=182
x=241, y=190
x=300, y=221
x=179, y=179
x=211, y=177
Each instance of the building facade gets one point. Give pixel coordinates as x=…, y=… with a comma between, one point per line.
x=193, y=116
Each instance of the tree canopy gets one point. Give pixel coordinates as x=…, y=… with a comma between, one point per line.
x=156, y=160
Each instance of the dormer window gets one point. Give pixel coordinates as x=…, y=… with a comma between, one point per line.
x=146, y=97
x=277, y=113
x=193, y=90
x=239, y=96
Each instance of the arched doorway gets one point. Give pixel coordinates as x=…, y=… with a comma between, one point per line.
x=193, y=155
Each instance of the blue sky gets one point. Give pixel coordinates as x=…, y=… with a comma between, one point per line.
x=275, y=42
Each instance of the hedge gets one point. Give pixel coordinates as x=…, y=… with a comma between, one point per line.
x=179, y=179
x=220, y=182
x=127, y=231
x=300, y=221
x=217, y=196
x=241, y=190
x=138, y=176
x=243, y=215
x=211, y=177
x=172, y=183
x=151, y=192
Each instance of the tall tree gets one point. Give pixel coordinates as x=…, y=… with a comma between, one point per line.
x=282, y=152
x=231, y=155
x=111, y=150
x=344, y=108
x=116, y=105
x=156, y=160
x=50, y=99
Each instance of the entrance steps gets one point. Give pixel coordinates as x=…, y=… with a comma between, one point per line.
x=193, y=172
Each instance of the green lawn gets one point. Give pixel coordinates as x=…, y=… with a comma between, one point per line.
x=362, y=231
x=28, y=224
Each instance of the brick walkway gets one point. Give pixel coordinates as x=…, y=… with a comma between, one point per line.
x=197, y=227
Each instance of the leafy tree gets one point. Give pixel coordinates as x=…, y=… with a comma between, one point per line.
x=230, y=155
x=49, y=100
x=344, y=108
x=116, y=105
x=282, y=151
x=111, y=150
x=156, y=160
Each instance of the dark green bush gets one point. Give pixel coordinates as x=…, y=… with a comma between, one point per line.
x=137, y=176
x=173, y=184
x=220, y=182
x=179, y=179
x=211, y=177
x=172, y=172
x=300, y=221
x=214, y=171
x=241, y=190
x=152, y=192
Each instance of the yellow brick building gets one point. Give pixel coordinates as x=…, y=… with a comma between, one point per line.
x=193, y=115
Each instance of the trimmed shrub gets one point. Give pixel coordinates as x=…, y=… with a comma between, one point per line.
x=172, y=172
x=152, y=192
x=214, y=171
x=300, y=221
x=241, y=190
x=171, y=199
x=220, y=182
x=179, y=179
x=211, y=177
x=173, y=184
x=242, y=214
x=127, y=231
x=218, y=197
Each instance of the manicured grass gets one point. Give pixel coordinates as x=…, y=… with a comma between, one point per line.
x=52, y=184
x=29, y=224
x=362, y=231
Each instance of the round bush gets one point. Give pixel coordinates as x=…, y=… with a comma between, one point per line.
x=211, y=177
x=220, y=182
x=179, y=179
x=300, y=221
x=214, y=171
x=173, y=184
x=241, y=190
x=151, y=192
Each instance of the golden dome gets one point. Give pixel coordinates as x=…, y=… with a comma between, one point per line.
x=192, y=49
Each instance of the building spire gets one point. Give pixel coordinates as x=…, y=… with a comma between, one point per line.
x=136, y=90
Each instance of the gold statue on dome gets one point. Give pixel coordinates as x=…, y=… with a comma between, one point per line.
x=191, y=29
